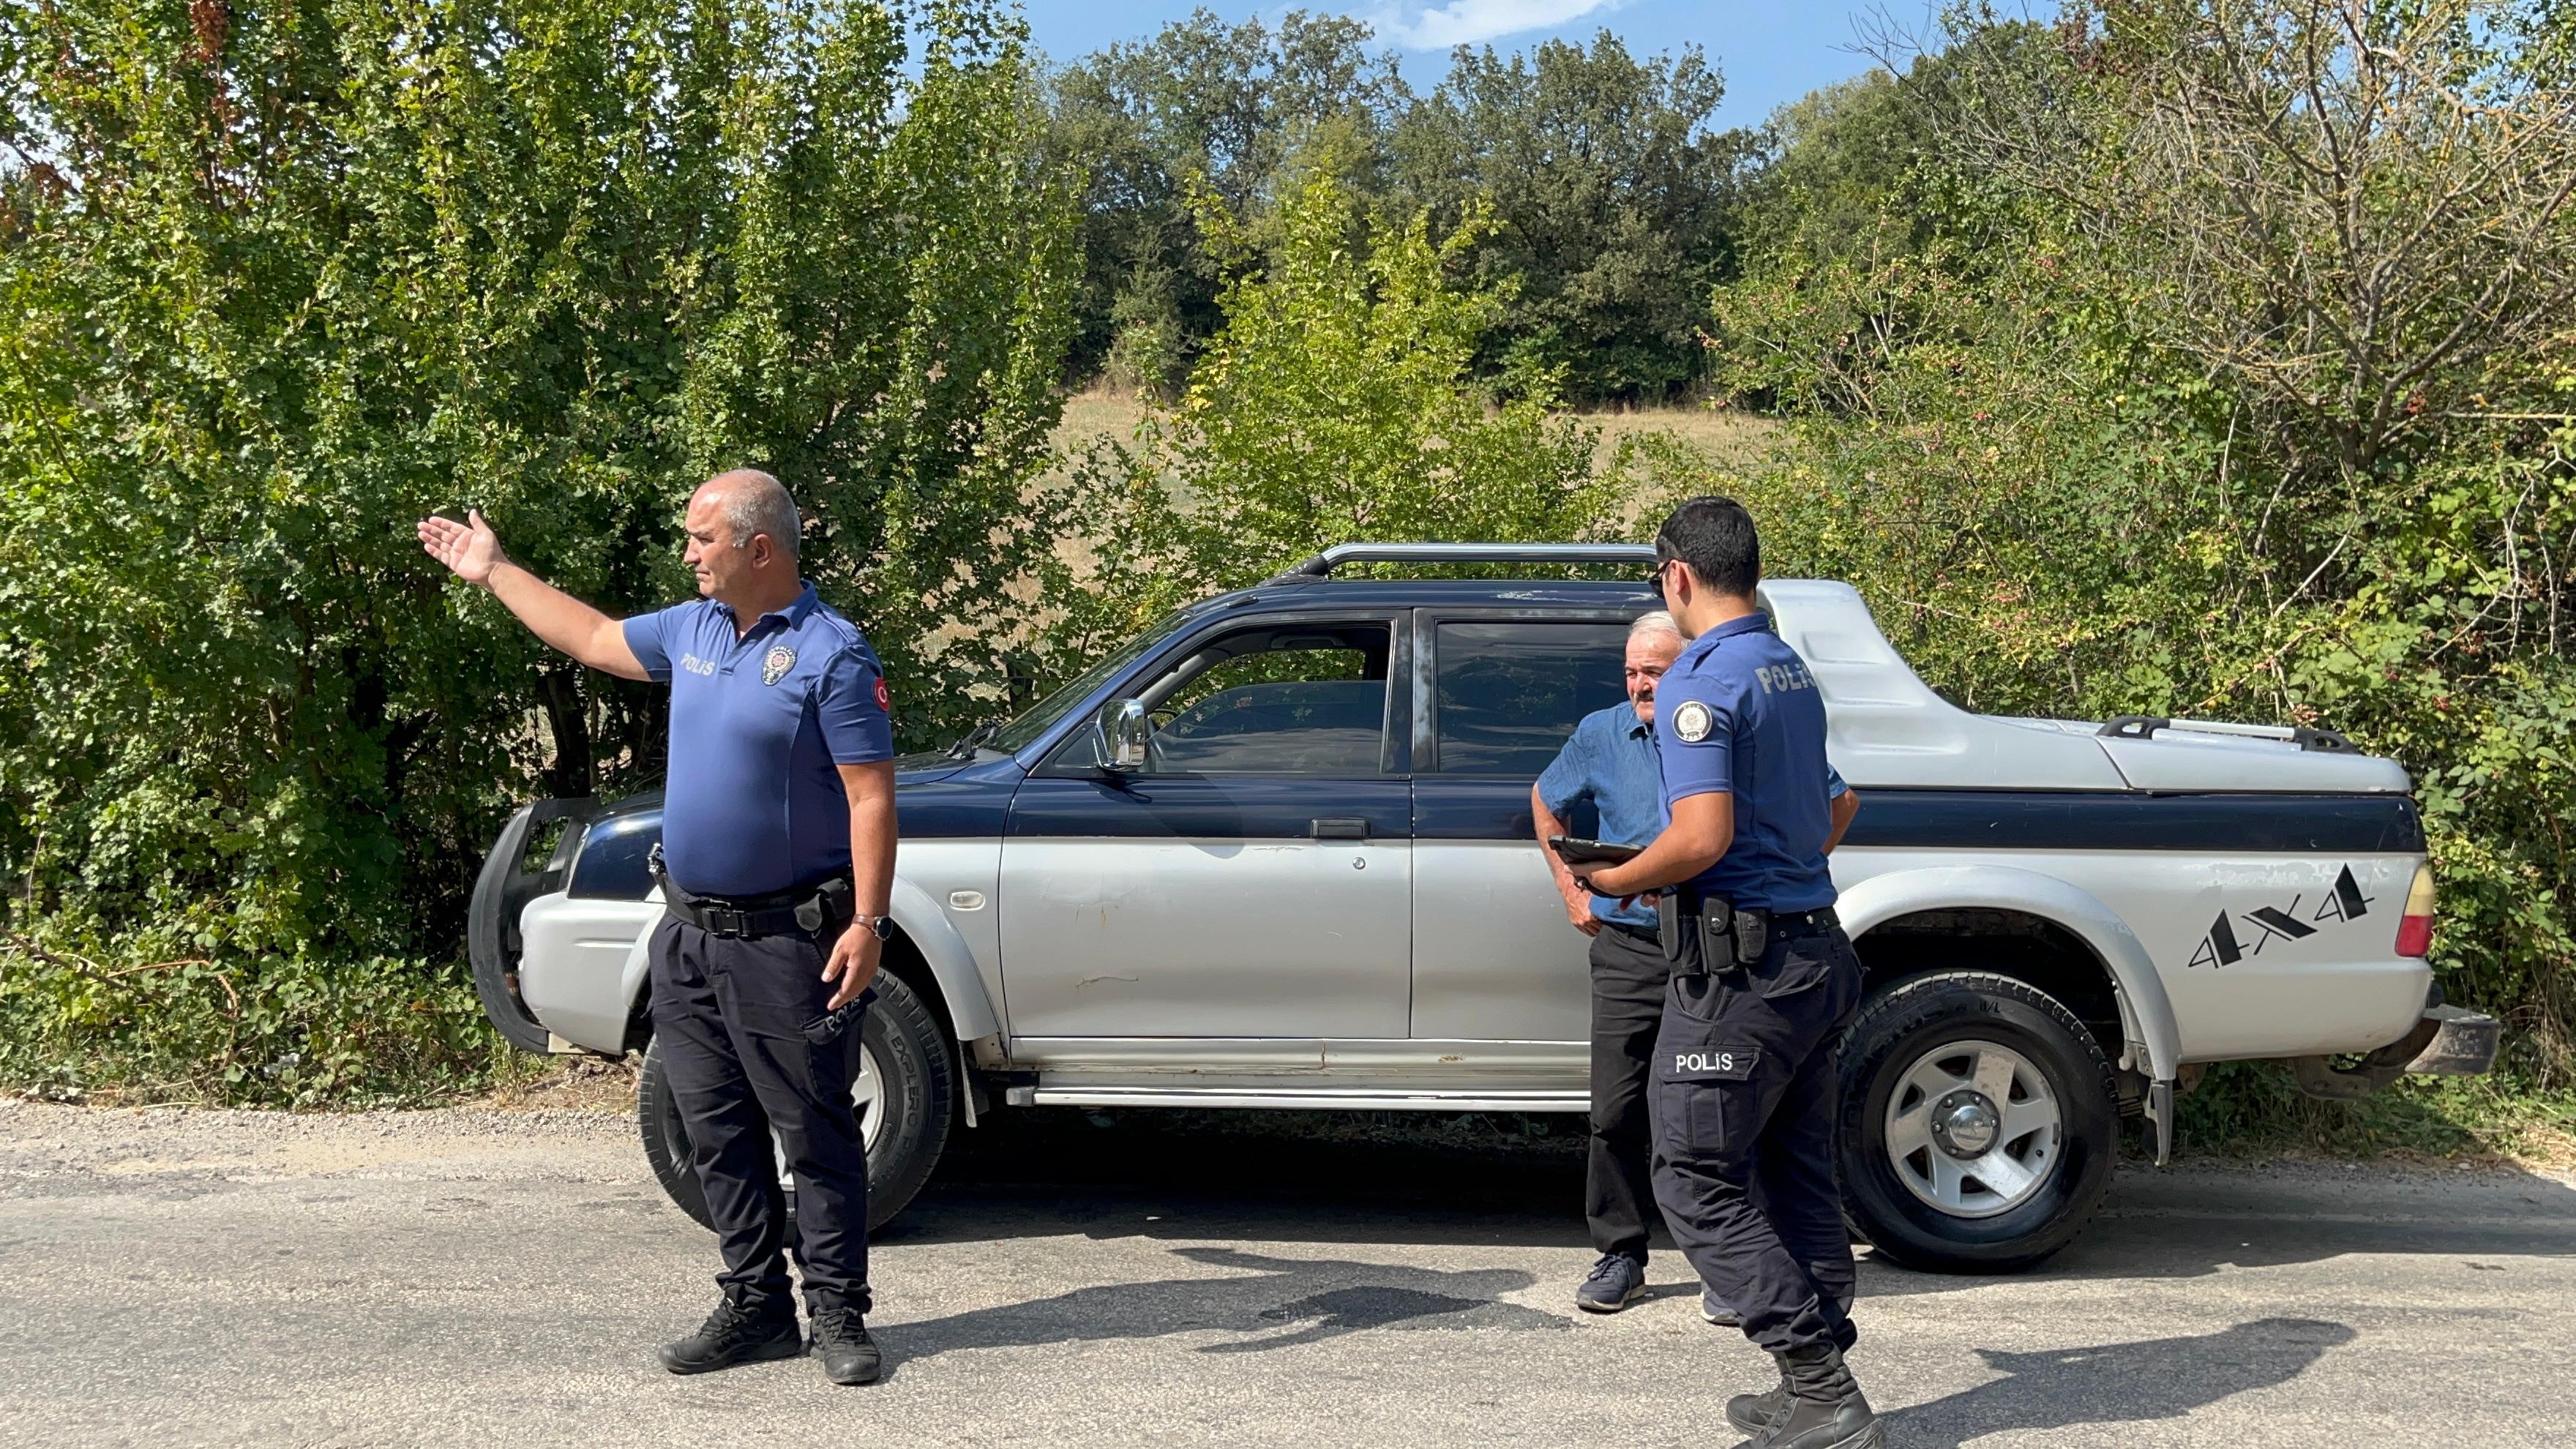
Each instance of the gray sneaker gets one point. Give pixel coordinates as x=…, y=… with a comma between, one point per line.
x=1614, y=1283
x=1714, y=1309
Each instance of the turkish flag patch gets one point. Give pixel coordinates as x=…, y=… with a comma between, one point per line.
x=884, y=702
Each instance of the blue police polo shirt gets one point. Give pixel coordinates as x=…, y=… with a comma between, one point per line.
x=754, y=803
x=1610, y=761
x=1739, y=712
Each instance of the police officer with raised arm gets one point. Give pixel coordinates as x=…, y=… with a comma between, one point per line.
x=1610, y=762
x=1764, y=982
x=778, y=838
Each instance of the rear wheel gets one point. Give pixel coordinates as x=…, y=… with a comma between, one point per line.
x=1979, y=1123
x=905, y=1095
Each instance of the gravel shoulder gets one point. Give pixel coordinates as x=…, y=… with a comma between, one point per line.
x=465, y=1275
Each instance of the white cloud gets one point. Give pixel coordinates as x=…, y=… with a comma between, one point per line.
x=1470, y=22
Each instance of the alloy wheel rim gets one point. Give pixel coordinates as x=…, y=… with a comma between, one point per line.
x=1974, y=1128
x=868, y=1096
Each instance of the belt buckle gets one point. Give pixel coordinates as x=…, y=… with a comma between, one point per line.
x=727, y=922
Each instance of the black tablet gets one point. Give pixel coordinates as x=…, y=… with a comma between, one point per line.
x=1588, y=852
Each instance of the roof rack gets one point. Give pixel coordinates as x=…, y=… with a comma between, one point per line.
x=2144, y=727
x=1321, y=566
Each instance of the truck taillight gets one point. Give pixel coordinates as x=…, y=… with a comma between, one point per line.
x=2415, y=928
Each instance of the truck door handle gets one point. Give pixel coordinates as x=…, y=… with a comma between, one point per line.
x=1340, y=827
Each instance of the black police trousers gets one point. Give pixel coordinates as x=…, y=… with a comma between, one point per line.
x=733, y=1016
x=1747, y=1069
x=1629, y=973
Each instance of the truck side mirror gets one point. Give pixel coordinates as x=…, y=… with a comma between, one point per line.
x=1122, y=736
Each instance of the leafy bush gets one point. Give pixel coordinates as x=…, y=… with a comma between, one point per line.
x=283, y=277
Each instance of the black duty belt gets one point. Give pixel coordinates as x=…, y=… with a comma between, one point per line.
x=1730, y=937
x=807, y=908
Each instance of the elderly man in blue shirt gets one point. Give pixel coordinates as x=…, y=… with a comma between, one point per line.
x=1610, y=763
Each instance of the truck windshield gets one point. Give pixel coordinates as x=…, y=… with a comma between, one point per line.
x=1033, y=722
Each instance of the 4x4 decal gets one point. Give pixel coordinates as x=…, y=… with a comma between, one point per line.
x=2222, y=946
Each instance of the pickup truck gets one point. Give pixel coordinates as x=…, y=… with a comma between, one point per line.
x=1276, y=851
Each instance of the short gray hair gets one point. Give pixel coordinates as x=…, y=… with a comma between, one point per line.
x=1654, y=621
x=755, y=502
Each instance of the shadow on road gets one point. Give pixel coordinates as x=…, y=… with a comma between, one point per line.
x=1431, y=1178
x=2116, y=1383
x=1266, y=1302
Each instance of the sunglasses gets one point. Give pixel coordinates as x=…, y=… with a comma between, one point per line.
x=1655, y=576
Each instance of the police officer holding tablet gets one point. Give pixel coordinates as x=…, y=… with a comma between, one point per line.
x=778, y=836
x=1764, y=982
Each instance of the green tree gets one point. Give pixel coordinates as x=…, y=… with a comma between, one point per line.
x=1610, y=196
x=1338, y=403
x=1202, y=103
x=282, y=277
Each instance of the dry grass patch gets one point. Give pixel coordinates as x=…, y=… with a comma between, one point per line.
x=1731, y=438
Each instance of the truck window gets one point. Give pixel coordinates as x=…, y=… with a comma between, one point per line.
x=1287, y=700
x=1510, y=693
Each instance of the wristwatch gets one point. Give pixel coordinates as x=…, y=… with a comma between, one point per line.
x=881, y=927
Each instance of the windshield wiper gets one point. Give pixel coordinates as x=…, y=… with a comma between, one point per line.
x=965, y=749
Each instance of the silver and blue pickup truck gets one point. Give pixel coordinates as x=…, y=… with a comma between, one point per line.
x=1277, y=852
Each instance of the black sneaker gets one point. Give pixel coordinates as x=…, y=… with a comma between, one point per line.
x=1615, y=1282
x=735, y=1333
x=1714, y=1309
x=841, y=1341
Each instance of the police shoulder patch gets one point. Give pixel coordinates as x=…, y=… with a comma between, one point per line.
x=774, y=666
x=1692, y=721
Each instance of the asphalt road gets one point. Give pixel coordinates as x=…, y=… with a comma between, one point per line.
x=482, y=1278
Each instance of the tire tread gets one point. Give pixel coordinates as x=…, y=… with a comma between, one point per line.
x=1884, y=1018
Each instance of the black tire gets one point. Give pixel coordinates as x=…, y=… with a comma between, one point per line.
x=920, y=1092
x=1896, y=1029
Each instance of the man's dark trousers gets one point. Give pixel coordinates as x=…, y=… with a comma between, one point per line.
x=1628, y=976
x=1747, y=1077
x=732, y=1015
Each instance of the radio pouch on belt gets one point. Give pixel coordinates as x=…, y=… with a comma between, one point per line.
x=1752, y=936
x=1717, y=936
x=830, y=903
x=1668, y=924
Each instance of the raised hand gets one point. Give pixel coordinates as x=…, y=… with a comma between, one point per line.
x=469, y=549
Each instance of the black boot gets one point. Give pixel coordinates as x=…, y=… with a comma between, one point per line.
x=736, y=1333
x=1751, y=1413
x=841, y=1341
x=1824, y=1409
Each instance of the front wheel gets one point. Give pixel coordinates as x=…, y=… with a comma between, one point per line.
x=904, y=1095
x=1979, y=1124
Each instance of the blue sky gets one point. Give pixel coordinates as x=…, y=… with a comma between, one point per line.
x=1769, y=53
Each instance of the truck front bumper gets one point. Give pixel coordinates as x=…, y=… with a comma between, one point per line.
x=501, y=890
